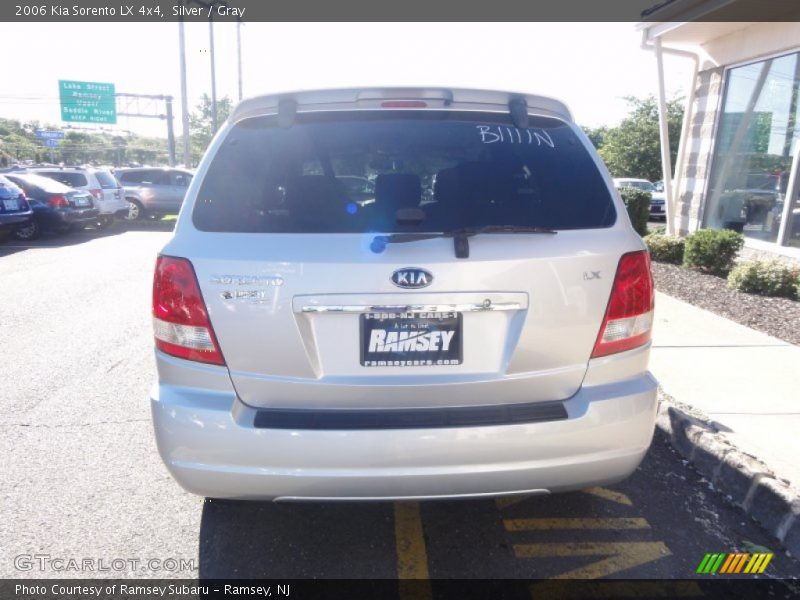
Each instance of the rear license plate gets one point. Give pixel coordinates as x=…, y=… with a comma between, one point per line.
x=11, y=204
x=410, y=339
x=81, y=201
x=655, y=209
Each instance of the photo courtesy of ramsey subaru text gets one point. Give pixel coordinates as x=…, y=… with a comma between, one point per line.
x=472, y=319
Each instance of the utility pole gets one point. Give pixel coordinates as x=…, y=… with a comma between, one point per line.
x=187, y=153
x=147, y=106
x=213, y=76
x=170, y=131
x=239, y=55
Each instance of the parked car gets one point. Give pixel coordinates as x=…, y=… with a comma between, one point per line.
x=493, y=341
x=56, y=207
x=107, y=192
x=14, y=209
x=657, y=200
x=153, y=191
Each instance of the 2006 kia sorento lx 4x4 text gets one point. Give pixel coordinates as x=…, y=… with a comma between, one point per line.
x=478, y=323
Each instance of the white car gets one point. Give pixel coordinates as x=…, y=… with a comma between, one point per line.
x=106, y=191
x=492, y=339
x=657, y=201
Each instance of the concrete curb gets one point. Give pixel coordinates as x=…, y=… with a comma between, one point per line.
x=746, y=480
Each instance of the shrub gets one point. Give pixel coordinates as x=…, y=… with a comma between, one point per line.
x=637, y=203
x=659, y=229
x=665, y=248
x=712, y=251
x=765, y=277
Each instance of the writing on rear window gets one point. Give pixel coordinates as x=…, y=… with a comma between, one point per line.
x=511, y=135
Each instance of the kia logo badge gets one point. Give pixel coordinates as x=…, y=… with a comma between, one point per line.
x=412, y=277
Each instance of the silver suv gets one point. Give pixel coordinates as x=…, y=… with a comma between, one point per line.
x=481, y=328
x=153, y=191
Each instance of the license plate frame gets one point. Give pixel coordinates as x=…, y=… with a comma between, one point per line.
x=11, y=205
x=418, y=326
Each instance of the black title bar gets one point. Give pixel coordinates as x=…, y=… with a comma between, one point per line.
x=153, y=11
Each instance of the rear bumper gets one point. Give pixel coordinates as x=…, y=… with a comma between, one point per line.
x=11, y=221
x=208, y=442
x=111, y=207
x=73, y=215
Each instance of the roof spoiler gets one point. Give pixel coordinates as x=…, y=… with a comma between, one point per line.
x=514, y=103
x=287, y=111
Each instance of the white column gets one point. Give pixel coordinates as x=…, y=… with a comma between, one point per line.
x=666, y=160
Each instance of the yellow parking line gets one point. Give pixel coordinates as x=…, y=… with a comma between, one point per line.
x=606, y=494
x=621, y=555
x=412, y=557
x=576, y=523
x=506, y=501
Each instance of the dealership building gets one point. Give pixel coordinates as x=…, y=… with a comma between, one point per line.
x=739, y=153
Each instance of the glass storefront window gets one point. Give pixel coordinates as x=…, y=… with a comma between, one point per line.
x=757, y=137
x=793, y=232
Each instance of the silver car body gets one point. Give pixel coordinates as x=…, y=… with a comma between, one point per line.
x=158, y=190
x=286, y=311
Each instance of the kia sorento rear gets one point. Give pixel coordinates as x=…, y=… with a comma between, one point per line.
x=394, y=293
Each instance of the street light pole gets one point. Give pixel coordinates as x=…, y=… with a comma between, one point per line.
x=213, y=76
x=239, y=55
x=187, y=154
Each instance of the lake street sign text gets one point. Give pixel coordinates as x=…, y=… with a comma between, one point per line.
x=87, y=102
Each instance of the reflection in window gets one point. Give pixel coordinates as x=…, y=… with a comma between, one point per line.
x=793, y=224
x=756, y=140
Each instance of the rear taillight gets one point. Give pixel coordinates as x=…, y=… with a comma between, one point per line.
x=58, y=201
x=629, y=315
x=98, y=194
x=180, y=319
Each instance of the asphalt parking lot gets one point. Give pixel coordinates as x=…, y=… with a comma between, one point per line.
x=82, y=477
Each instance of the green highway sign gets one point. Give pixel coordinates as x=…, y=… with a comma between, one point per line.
x=87, y=102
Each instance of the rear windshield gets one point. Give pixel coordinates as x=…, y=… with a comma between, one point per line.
x=69, y=178
x=106, y=179
x=45, y=184
x=330, y=173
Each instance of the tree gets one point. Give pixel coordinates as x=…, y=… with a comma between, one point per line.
x=19, y=143
x=597, y=135
x=633, y=148
x=201, y=128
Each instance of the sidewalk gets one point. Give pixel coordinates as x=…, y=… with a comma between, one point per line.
x=747, y=382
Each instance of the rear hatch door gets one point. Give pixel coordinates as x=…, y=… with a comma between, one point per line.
x=308, y=313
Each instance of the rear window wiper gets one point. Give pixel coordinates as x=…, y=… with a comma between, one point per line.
x=460, y=236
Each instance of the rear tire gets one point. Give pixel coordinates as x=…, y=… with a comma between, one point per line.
x=135, y=210
x=28, y=232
